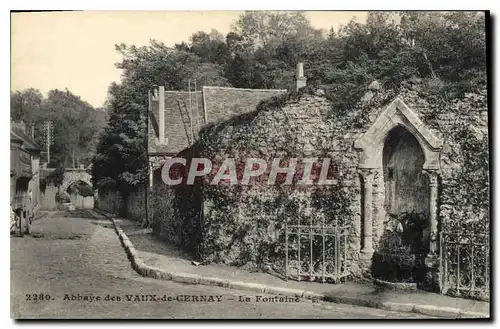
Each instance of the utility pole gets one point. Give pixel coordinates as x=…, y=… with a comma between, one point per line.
x=49, y=130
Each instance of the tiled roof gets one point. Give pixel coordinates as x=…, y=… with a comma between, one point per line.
x=17, y=134
x=179, y=121
x=222, y=103
x=212, y=104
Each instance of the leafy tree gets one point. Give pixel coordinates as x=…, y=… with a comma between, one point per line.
x=76, y=123
x=210, y=47
x=25, y=105
x=270, y=28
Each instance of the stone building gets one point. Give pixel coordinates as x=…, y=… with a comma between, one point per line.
x=176, y=117
x=394, y=156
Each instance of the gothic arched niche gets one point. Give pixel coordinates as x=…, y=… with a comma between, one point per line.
x=371, y=143
x=402, y=147
x=406, y=186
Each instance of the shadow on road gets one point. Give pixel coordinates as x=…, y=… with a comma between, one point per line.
x=79, y=213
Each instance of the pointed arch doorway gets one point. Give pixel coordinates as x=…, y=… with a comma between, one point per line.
x=406, y=188
x=399, y=147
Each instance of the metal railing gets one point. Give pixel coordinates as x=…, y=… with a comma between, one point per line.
x=465, y=264
x=316, y=252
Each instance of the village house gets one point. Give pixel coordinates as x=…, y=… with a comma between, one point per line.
x=24, y=167
x=176, y=117
x=400, y=166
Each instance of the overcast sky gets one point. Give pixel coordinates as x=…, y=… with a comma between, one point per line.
x=75, y=50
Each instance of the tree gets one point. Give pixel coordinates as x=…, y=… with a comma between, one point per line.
x=75, y=123
x=270, y=28
x=452, y=44
x=265, y=48
x=209, y=47
x=25, y=105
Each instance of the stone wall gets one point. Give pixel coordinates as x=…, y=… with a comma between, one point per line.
x=110, y=201
x=243, y=225
x=48, y=198
x=81, y=202
x=135, y=204
x=175, y=213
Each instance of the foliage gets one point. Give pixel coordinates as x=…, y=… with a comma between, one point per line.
x=25, y=104
x=62, y=197
x=121, y=152
x=465, y=183
x=56, y=177
x=75, y=127
x=80, y=188
x=76, y=123
x=396, y=265
x=467, y=191
x=399, y=255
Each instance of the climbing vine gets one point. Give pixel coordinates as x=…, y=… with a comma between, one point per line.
x=55, y=178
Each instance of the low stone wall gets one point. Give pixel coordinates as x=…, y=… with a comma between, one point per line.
x=48, y=198
x=110, y=201
x=175, y=214
x=81, y=202
x=135, y=205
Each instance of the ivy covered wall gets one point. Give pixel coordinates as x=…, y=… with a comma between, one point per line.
x=243, y=225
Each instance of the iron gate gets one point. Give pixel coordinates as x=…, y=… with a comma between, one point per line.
x=464, y=264
x=316, y=252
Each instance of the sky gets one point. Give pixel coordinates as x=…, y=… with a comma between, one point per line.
x=75, y=50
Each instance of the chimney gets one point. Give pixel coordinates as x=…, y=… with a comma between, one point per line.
x=19, y=125
x=161, y=114
x=301, y=79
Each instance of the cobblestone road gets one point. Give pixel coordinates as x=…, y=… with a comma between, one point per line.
x=78, y=256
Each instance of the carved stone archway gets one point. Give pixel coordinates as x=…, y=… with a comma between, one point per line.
x=370, y=146
x=73, y=175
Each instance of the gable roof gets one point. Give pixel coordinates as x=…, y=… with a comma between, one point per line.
x=17, y=134
x=211, y=104
x=181, y=124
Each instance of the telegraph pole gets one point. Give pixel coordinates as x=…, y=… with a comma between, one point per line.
x=49, y=130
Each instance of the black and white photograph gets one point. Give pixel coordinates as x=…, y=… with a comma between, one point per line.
x=258, y=164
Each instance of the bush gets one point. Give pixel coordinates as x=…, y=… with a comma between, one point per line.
x=394, y=265
x=81, y=188
x=62, y=197
x=397, y=259
x=56, y=177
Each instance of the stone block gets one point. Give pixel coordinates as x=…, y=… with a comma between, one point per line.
x=186, y=278
x=247, y=286
x=438, y=311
